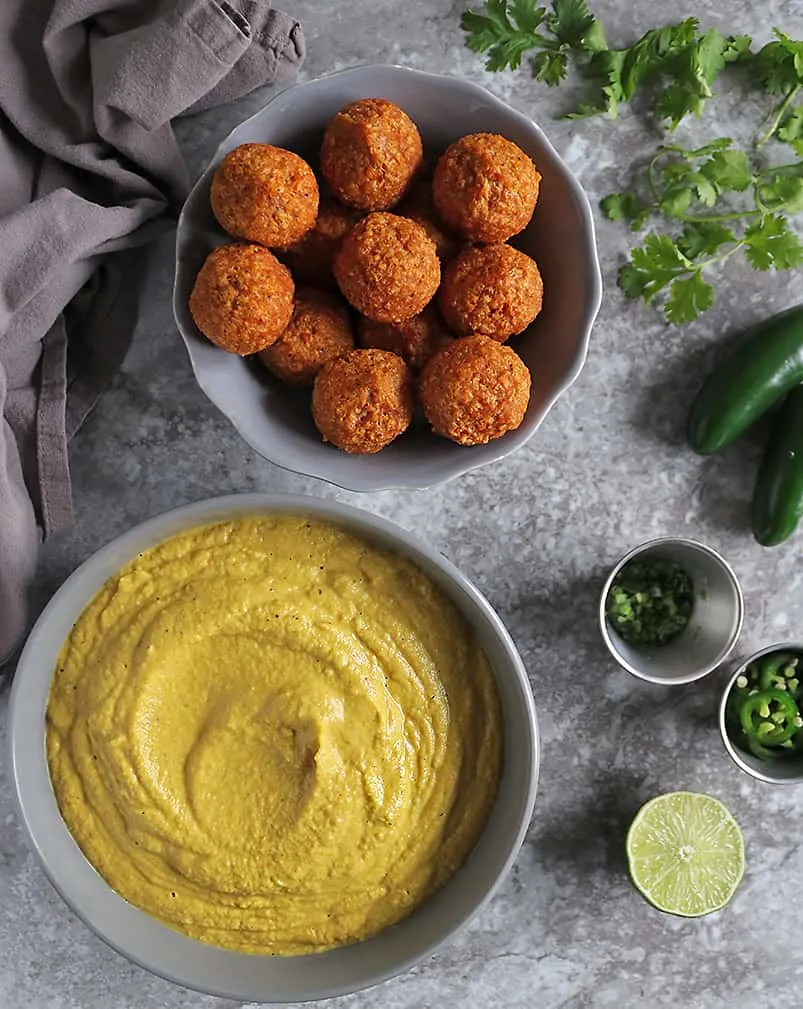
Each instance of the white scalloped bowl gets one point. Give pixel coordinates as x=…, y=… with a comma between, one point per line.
x=274, y=419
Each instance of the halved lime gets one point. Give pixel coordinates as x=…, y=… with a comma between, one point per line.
x=686, y=853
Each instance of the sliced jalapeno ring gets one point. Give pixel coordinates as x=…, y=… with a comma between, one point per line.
x=765, y=752
x=756, y=724
x=771, y=669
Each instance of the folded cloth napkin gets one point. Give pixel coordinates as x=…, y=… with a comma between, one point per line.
x=89, y=167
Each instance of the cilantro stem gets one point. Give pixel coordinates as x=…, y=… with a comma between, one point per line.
x=780, y=112
x=651, y=179
x=735, y=216
x=720, y=256
x=793, y=165
x=763, y=208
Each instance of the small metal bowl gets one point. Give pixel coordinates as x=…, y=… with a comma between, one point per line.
x=714, y=627
x=781, y=772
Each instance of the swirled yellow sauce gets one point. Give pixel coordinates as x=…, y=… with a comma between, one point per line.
x=273, y=736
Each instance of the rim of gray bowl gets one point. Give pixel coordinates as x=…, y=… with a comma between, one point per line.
x=737, y=756
x=737, y=628
x=243, y=976
x=493, y=451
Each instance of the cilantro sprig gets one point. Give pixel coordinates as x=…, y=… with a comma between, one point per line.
x=507, y=31
x=714, y=201
x=719, y=203
x=679, y=57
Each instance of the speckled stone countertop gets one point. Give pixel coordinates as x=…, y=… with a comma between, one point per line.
x=537, y=533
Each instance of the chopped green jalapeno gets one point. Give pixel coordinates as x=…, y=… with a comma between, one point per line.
x=650, y=601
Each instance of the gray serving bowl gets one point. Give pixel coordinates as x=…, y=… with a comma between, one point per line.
x=782, y=772
x=244, y=976
x=715, y=624
x=276, y=420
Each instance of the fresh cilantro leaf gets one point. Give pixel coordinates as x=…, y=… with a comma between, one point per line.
x=728, y=171
x=625, y=207
x=677, y=163
x=686, y=187
x=550, y=66
x=573, y=25
x=486, y=27
x=791, y=130
x=709, y=57
x=526, y=15
x=705, y=189
x=645, y=60
x=504, y=32
x=783, y=191
x=676, y=170
x=703, y=238
x=594, y=38
x=632, y=280
x=692, y=71
x=778, y=66
x=605, y=67
x=737, y=47
x=679, y=100
x=683, y=180
x=619, y=72
x=793, y=49
x=652, y=266
x=676, y=200
x=584, y=111
x=688, y=298
x=770, y=244
x=620, y=206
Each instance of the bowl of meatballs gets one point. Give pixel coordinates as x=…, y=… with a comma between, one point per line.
x=386, y=278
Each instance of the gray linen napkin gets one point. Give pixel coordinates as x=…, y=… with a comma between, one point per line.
x=89, y=166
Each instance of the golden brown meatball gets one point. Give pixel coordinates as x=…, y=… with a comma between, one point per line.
x=310, y=258
x=474, y=390
x=371, y=150
x=387, y=268
x=363, y=400
x=416, y=339
x=242, y=298
x=264, y=194
x=486, y=187
x=419, y=206
x=491, y=289
x=319, y=330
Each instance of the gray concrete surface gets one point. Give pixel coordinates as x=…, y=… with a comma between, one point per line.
x=537, y=532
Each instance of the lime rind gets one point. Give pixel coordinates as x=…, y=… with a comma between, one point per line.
x=685, y=853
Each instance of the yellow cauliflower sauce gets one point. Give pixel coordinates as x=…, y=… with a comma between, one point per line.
x=273, y=736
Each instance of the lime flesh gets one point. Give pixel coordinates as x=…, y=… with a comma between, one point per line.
x=686, y=853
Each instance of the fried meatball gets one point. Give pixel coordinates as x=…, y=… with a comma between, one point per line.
x=419, y=206
x=474, y=390
x=363, y=400
x=491, y=289
x=319, y=330
x=310, y=258
x=416, y=339
x=264, y=194
x=485, y=187
x=242, y=298
x=371, y=150
x=387, y=268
